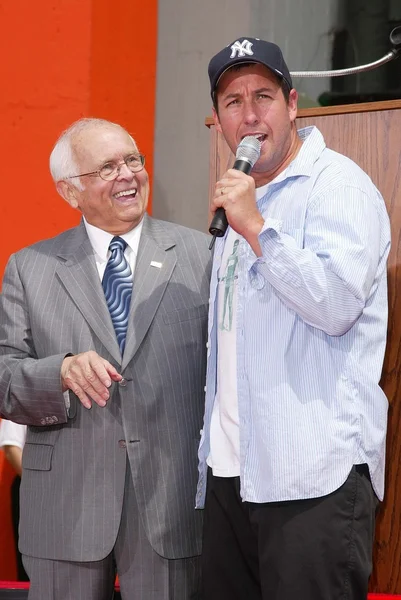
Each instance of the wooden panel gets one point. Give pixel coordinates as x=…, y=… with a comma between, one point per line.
x=319, y=111
x=371, y=138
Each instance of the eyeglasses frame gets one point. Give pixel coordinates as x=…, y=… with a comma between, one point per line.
x=119, y=165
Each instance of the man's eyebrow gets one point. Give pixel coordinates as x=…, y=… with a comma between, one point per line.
x=101, y=162
x=269, y=89
x=228, y=96
x=233, y=95
x=115, y=160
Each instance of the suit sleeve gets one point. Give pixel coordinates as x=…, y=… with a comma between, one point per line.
x=30, y=387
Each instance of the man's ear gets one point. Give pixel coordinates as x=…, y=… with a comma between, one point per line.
x=293, y=104
x=216, y=120
x=68, y=192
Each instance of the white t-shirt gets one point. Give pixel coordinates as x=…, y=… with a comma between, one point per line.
x=224, y=457
x=224, y=429
x=12, y=434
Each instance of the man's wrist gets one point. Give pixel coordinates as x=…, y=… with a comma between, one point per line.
x=252, y=234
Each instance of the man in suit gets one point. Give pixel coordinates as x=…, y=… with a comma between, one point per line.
x=112, y=398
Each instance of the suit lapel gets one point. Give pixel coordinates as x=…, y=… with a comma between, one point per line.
x=77, y=272
x=153, y=270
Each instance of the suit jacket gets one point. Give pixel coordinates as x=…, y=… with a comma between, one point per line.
x=74, y=464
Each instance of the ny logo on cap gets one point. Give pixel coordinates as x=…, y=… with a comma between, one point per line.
x=244, y=48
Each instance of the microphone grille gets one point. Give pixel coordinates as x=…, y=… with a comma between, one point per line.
x=249, y=149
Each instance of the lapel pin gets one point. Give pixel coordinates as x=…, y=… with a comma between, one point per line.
x=156, y=264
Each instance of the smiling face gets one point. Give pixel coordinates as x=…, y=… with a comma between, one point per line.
x=115, y=206
x=250, y=101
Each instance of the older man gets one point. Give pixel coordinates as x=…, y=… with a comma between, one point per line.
x=295, y=422
x=102, y=336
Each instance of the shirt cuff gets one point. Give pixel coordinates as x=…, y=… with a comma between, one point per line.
x=67, y=400
x=270, y=230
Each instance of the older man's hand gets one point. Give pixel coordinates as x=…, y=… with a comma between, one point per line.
x=89, y=376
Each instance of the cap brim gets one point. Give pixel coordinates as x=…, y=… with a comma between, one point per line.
x=247, y=62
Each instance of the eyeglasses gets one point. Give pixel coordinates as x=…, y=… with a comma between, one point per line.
x=111, y=170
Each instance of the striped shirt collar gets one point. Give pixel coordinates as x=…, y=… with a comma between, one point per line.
x=312, y=147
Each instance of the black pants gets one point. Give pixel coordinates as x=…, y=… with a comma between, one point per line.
x=315, y=549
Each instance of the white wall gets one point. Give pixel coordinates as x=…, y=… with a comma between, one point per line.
x=304, y=31
x=190, y=33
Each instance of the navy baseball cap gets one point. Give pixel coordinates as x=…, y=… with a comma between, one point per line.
x=248, y=50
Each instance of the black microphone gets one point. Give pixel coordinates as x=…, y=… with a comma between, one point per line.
x=246, y=156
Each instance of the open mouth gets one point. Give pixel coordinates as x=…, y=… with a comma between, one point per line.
x=128, y=194
x=259, y=136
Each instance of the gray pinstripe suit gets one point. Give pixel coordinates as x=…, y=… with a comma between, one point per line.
x=74, y=465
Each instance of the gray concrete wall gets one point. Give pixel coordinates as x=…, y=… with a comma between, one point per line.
x=190, y=32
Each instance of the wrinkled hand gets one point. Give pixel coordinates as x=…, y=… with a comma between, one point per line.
x=89, y=376
x=235, y=192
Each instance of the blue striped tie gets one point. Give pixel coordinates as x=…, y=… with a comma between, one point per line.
x=117, y=286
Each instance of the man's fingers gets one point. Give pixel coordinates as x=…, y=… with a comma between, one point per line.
x=116, y=376
x=97, y=373
x=86, y=392
x=89, y=376
x=105, y=371
x=85, y=401
x=96, y=391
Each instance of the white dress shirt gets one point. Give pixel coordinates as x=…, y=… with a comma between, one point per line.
x=100, y=241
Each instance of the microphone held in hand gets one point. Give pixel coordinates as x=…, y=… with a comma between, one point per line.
x=246, y=156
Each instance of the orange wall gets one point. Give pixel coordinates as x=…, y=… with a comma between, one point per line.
x=62, y=60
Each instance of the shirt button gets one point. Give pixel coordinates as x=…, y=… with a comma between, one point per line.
x=123, y=382
x=122, y=443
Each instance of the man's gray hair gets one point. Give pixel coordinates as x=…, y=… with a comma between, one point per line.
x=62, y=161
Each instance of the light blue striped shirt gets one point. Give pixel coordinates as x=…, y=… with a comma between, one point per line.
x=311, y=332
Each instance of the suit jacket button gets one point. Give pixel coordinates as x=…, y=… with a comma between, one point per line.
x=122, y=443
x=123, y=382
